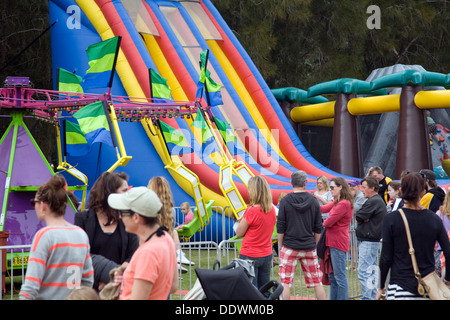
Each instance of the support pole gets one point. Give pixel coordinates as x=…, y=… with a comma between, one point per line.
x=413, y=148
x=345, y=148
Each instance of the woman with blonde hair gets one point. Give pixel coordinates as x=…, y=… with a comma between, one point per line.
x=323, y=194
x=256, y=226
x=162, y=188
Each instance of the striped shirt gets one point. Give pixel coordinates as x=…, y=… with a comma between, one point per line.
x=59, y=261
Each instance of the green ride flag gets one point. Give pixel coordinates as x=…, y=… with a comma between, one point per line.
x=160, y=89
x=200, y=123
x=69, y=82
x=175, y=140
x=225, y=130
x=102, y=58
x=94, y=124
x=76, y=143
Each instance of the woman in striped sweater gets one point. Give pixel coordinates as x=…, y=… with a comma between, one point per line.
x=59, y=259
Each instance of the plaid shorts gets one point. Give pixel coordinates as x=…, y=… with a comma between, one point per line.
x=309, y=262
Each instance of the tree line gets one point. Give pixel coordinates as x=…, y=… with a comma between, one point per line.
x=300, y=43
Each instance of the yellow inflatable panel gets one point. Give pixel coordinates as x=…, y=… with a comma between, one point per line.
x=313, y=112
x=433, y=99
x=374, y=105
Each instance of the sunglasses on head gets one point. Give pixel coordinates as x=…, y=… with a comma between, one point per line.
x=422, y=174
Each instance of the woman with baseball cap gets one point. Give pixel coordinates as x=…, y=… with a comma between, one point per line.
x=152, y=271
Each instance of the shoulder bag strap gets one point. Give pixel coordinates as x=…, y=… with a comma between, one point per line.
x=412, y=253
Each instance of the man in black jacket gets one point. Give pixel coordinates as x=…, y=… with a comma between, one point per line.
x=368, y=232
x=299, y=226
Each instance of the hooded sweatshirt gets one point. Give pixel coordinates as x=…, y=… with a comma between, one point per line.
x=433, y=199
x=299, y=218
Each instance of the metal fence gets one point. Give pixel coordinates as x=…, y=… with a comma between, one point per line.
x=220, y=226
x=204, y=254
x=13, y=269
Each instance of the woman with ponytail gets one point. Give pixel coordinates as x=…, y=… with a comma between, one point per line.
x=59, y=259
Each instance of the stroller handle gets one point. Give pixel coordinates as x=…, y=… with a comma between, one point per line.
x=276, y=292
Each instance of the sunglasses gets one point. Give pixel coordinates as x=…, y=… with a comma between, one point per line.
x=33, y=202
x=124, y=213
x=422, y=174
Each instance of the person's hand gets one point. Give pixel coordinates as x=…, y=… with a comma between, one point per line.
x=101, y=285
x=381, y=294
x=118, y=279
x=118, y=275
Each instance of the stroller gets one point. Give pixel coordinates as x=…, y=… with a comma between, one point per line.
x=234, y=282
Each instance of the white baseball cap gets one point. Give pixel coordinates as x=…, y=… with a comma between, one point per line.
x=141, y=200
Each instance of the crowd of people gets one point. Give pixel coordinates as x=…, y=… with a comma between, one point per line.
x=128, y=235
x=370, y=207
x=125, y=232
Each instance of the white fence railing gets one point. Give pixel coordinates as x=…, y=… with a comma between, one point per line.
x=13, y=268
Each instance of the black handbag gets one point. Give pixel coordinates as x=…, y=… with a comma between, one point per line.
x=321, y=244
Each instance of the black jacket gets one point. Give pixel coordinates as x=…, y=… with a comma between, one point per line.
x=370, y=218
x=87, y=220
x=299, y=219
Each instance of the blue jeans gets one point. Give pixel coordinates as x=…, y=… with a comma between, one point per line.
x=368, y=269
x=263, y=267
x=338, y=278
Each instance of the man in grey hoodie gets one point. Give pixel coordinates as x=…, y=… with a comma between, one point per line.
x=299, y=226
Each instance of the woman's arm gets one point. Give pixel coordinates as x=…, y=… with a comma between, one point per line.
x=174, y=286
x=37, y=263
x=337, y=213
x=444, y=242
x=387, y=251
x=141, y=289
x=327, y=208
x=242, y=228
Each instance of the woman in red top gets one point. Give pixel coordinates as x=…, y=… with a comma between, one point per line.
x=338, y=236
x=257, y=226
